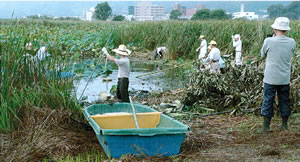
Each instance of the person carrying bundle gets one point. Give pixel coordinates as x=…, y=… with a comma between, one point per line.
x=278, y=51
x=237, y=43
x=202, y=48
x=123, y=70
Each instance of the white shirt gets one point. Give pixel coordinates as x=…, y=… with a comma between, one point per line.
x=42, y=54
x=214, y=54
x=203, y=47
x=123, y=67
x=162, y=49
x=237, y=45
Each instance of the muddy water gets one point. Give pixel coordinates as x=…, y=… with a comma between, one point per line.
x=162, y=81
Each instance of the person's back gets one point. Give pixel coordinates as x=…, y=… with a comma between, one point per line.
x=279, y=51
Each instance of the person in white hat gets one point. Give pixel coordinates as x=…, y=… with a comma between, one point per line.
x=123, y=71
x=202, y=48
x=278, y=51
x=237, y=43
x=214, y=57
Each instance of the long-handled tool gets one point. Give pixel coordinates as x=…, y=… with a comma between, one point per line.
x=96, y=65
x=134, y=115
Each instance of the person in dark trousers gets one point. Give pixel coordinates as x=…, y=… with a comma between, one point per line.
x=278, y=51
x=123, y=71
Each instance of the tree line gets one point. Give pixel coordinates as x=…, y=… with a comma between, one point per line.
x=203, y=14
x=292, y=11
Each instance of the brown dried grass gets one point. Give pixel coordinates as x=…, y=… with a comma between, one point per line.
x=46, y=133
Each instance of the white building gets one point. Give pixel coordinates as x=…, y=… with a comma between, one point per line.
x=243, y=14
x=145, y=11
x=89, y=15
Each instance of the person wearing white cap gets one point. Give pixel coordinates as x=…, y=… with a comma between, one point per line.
x=237, y=43
x=278, y=51
x=123, y=71
x=214, y=57
x=203, y=47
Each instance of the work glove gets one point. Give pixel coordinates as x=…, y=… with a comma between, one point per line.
x=104, y=50
x=197, y=49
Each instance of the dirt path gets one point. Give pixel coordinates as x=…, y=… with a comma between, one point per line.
x=238, y=138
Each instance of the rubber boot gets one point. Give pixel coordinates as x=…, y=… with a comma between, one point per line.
x=284, y=124
x=266, y=125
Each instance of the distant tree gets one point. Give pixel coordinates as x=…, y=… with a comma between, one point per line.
x=202, y=14
x=275, y=10
x=103, y=11
x=118, y=18
x=291, y=11
x=218, y=14
x=174, y=15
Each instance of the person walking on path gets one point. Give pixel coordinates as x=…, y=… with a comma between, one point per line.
x=278, y=51
x=202, y=48
x=237, y=43
x=123, y=71
x=214, y=57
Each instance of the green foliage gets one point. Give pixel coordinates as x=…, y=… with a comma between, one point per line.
x=218, y=15
x=275, y=10
x=291, y=11
x=174, y=15
x=205, y=14
x=202, y=14
x=103, y=11
x=118, y=18
x=25, y=85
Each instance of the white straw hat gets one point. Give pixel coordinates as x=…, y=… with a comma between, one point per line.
x=281, y=23
x=122, y=50
x=213, y=42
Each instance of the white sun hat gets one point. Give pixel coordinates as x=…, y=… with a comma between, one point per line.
x=237, y=36
x=122, y=50
x=281, y=23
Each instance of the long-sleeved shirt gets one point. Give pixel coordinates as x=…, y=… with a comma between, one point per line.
x=237, y=45
x=279, y=51
x=203, y=46
x=214, y=54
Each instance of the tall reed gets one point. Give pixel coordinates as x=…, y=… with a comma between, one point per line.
x=24, y=83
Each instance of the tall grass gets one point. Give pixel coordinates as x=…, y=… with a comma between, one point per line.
x=24, y=84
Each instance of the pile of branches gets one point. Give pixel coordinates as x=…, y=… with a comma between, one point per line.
x=236, y=88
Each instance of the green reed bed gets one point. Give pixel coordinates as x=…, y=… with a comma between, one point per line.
x=24, y=84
